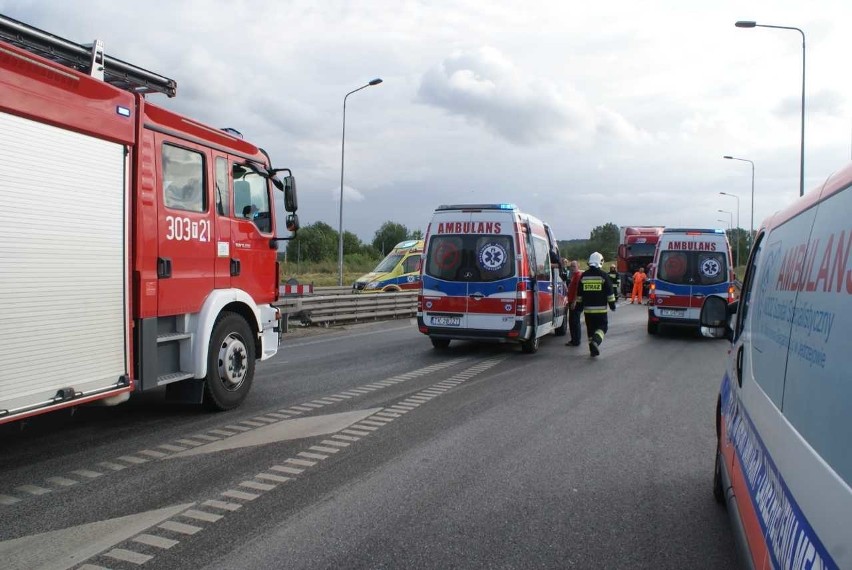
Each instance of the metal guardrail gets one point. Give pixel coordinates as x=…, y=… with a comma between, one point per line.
x=347, y=308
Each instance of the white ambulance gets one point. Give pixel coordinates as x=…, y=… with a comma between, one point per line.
x=784, y=413
x=489, y=275
x=690, y=265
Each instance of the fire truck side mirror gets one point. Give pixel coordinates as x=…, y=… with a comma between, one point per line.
x=292, y=223
x=290, y=202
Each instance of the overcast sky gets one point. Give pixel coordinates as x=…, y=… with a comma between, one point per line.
x=581, y=113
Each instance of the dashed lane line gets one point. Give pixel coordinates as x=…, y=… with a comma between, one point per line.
x=165, y=450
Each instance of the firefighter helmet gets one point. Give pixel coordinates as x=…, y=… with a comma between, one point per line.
x=596, y=260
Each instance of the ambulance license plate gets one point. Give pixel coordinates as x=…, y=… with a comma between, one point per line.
x=671, y=312
x=446, y=321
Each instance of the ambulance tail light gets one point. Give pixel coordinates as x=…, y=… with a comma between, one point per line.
x=522, y=296
x=652, y=294
x=730, y=294
x=419, y=303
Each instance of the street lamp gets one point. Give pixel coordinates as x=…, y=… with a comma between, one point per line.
x=738, y=224
x=751, y=231
x=342, y=151
x=750, y=24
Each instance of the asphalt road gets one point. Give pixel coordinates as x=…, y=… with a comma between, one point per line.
x=367, y=448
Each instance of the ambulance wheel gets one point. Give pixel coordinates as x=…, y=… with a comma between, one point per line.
x=653, y=328
x=230, y=363
x=530, y=346
x=718, y=491
x=563, y=328
x=440, y=343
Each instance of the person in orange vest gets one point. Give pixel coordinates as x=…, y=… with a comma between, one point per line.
x=638, y=280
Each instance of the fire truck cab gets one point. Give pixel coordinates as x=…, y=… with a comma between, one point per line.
x=138, y=246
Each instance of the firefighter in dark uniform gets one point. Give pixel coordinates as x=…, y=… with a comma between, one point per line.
x=595, y=293
x=613, y=279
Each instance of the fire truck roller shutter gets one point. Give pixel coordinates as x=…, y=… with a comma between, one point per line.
x=62, y=261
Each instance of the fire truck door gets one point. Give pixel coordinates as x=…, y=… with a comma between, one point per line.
x=223, y=205
x=187, y=245
x=252, y=255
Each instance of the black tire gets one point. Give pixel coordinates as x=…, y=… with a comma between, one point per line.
x=440, y=343
x=718, y=491
x=562, y=329
x=530, y=346
x=653, y=328
x=230, y=363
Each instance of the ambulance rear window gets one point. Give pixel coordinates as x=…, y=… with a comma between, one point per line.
x=692, y=267
x=480, y=258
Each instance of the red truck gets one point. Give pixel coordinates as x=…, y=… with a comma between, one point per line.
x=636, y=246
x=137, y=246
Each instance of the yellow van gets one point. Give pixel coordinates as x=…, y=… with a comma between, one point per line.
x=399, y=271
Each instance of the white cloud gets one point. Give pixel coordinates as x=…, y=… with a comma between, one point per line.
x=485, y=87
x=350, y=194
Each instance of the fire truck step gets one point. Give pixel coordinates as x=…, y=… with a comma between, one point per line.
x=169, y=337
x=174, y=377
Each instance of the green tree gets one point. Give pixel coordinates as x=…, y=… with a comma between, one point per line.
x=604, y=240
x=739, y=240
x=316, y=242
x=351, y=243
x=416, y=234
x=389, y=235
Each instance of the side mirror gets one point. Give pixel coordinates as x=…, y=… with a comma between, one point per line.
x=290, y=202
x=715, y=318
x=292, y=223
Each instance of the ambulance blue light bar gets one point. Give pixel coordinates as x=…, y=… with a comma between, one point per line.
x=476, y=207
x=693, y=231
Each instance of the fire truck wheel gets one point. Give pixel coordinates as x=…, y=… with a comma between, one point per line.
x=230, y=363
x=440, y=342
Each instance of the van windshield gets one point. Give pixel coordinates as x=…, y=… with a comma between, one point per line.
x=470, y=257
x=388, y=263
x=692, y=267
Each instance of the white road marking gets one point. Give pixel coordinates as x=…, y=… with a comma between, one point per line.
x=87, y=473
x=355, y=432
x=128, y=556
x=362, y=426
x=300, y=462
x=61, y=481
x=71, y=546
x=242, y=495
x=340, y=397
x=387, y=415
x=201, y=515
x=33, y=489
x=278, y=416
x=257, y=486
x=152, y=453
x=222, y=432
x=401, y=408
x=326, y=401
x=155, y=541
x=286, y=430
x=206, y=437
x=253, y=423
x=91, y=567
x=271, y=477
x=181, y=528
x=334, y=443
x=308, y=455
x=346, y=437
x=265, y=419
x=312, y=405
x=222, y=505
x=295, y=410
x=189, y=442
x=7, y=500
x=132, y=459
x=236, y=427
x=286, y=469
x=113, y=466
x=371, y=423
x=323, y=449
x=172, y=448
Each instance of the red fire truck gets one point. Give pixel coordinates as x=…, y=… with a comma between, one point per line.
x=137, y=246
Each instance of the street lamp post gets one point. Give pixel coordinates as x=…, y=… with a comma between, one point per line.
x=751, y=230
x=750, y=24
x=738, y=224
x=342, y=154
